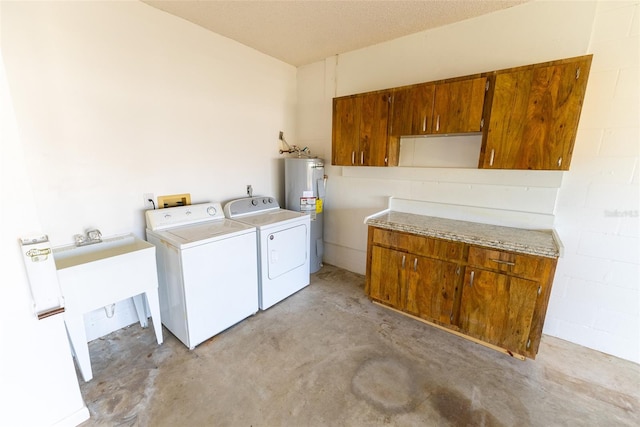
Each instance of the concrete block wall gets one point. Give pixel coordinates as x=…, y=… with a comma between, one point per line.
x=596, y=295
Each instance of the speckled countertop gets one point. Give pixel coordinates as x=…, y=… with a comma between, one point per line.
x=531, y=242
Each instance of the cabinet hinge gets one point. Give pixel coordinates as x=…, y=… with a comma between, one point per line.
x=539, y=290
x=482, y=123
x=578, y=73
x=528, y=343
x=486, y=86
x=386, y=160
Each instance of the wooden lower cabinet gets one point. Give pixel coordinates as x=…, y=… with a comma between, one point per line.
x=498, y=309
x=421, y=286
x=431, y=287
x=387, y=277
x=493, y=297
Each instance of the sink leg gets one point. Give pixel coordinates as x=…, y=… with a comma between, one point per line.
x=138, y=302
x=154, y=307
x=78, y=338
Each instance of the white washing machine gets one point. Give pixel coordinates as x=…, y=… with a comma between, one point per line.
x=283, y=246
x=207, y=270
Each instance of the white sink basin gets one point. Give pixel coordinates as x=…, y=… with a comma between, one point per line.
x=70, y=256
x=101, y=274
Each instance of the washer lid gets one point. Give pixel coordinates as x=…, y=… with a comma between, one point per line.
x=279, y=216
x=204, y=232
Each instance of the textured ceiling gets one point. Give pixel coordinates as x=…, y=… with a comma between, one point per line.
x=303, y=32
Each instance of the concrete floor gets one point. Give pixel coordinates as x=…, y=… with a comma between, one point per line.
x=327, y=356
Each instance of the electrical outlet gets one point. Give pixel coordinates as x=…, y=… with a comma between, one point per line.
x=148, y=199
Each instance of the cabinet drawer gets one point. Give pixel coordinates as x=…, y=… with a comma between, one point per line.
x=418, y=245
x=527, y=266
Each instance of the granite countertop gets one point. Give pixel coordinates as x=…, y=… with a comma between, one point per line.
x=531, y=242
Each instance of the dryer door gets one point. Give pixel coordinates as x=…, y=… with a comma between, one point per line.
x=287, y=250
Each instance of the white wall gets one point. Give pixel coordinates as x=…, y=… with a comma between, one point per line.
x=116, y=99
x=601, y=262
x=35, y=359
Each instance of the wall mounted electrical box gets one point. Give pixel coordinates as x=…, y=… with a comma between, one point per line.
x=174, y=200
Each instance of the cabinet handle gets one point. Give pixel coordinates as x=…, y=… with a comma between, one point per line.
x=415, y=264
x=353, y=157
x=424, y=124
x=362, y=157
x=529, y=343
x=403, y=259
x=539, y=290
x=493, y=153
x=559, y=161
x=499, y=261
x=473, y=273
x=438, y=123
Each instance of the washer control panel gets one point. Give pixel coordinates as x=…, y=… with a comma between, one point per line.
x=250, y=205
x=159, y=219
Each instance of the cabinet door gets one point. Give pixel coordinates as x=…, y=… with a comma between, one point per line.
x=431, y=286
x=387, y=276
x=534, y=116
x=346, y=130
x=412, y=110
x=497, y=308
x=374, y=129
x=458, y=106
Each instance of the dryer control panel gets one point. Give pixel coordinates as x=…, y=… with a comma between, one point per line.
x=250, y=205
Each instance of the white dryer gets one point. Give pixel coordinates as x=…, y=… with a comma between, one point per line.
x=207, y=270
x=283, y=246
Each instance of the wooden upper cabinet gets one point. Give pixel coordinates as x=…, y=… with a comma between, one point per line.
x=458, y=106
x=346, y=129
x=412, y=110
x=374, y=129
x=360, y=129
x=534, y=113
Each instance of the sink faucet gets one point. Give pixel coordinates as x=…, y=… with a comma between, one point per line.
x=92, y=236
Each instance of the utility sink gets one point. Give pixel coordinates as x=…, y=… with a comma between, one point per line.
x=71, y=255
x=101, y=274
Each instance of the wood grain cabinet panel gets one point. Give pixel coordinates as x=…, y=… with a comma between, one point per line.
x=360, y=129
x=534, y=114
x=431, y=288
x=458, y=106
x=387, y=276
x=498, y=309
x=527, y=266
x=346, y=129
x=412, y=110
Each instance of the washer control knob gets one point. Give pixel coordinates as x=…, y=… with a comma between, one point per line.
x=211, y=210
x=254, y=202
x=265, y=201
x=270, y=200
